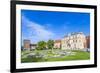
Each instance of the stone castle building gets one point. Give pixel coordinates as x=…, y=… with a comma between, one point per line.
x=74, y=41
x=88, y=41
x=57, y=44
x=26, y=44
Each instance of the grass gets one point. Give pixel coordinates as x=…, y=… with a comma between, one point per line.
x=80, y=55
x=24, y=60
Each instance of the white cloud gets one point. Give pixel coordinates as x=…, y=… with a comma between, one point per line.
x=35, y=32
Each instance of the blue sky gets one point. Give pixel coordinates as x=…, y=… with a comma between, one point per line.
x=44, y=25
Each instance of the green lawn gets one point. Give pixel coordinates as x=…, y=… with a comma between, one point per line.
x=79, y=55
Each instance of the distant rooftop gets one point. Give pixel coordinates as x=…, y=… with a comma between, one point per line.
x=57, y=41
x=33, y=44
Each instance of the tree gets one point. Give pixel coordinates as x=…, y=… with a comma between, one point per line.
x=50, y=44
x=41, y=45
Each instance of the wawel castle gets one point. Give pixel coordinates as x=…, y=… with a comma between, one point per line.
x=72, y=41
